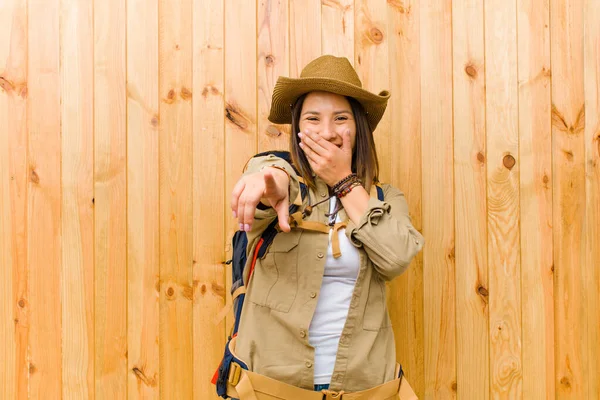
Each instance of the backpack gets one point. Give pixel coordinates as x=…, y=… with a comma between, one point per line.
x=239, y=264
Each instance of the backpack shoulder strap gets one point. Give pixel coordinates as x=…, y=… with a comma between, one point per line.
x=377, y=191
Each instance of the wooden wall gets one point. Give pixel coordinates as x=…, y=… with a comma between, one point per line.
x=124, y=125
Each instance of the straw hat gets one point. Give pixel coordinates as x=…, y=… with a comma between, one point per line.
x=327, y=74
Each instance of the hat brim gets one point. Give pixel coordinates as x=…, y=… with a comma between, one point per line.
x=288, y=90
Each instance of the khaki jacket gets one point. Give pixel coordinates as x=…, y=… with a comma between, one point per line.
x=283, y=291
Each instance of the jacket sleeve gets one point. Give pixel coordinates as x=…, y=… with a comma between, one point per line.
x=386, y=233
x=263, y=217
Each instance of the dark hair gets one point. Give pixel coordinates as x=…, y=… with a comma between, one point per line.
x=364, y=155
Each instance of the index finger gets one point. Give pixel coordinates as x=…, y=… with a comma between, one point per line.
x=235, y=195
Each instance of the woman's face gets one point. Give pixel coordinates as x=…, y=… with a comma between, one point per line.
x=328, y=115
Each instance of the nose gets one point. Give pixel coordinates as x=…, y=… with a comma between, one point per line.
x=328, y=132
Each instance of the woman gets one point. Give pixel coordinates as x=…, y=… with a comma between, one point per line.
x=315, y=313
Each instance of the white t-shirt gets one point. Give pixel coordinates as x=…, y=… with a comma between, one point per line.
x=330, y=315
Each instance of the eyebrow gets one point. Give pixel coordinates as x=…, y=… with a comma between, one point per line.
x=334, y=113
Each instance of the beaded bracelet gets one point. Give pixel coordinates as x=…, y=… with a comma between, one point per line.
x=347, y=187
x=343, y=181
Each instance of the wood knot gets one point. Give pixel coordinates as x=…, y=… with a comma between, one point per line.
x=188, y=292
x=32, y=368
x=565, y=382
x=141, y=377
x=203, y=289
x=176, y=47
x=471, y=71
x=236, y=117
x=21, y=303
x=154, y=121
x=376, y=35
x=482, y=291
x=270, y=60
x=509, y=161
x=24, y=92
x=209, y=88
x=34, y=177
x=451, y=254
x=454, y=386
x=6, y=85
x=217, y=289
x=186, y=94
x=568, y=155
x=481, y=157
x=273, y=131
x=170, y=292
x=170, y=97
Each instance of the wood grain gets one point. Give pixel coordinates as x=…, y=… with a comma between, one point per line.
x=470, y=174
x=14, y=307
x=175, y=177
x=110, y=199
x=143, y=120
x=273, y=60
x=405, y=294
x=337, y=30
x=535, y=142
x=240, y=107
x=210, y=199
x=44, y=244
x=305, y=33
x=77, y=216
x=373, y=67
x=592, y=189
x=503, y=200
x=438, y=191
x=569, y=199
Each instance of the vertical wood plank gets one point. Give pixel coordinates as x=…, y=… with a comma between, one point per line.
x=208, y=193
x=438, y=194
x=142, y=200
x=44, y=242
x=175, y=177
x=372, y=65
x=592, y=189
x=14, y=307
x=272, y=61
x=535, y=142
x=305, y=33
x=77, y=217
x=110, y=199
x=503, y=200
x=337, y=30
x=472, y=284
x=404, y=108
x=240, y=105
x=569, y=198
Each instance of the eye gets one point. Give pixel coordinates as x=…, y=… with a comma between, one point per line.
x=312, y=119
x=342, y=118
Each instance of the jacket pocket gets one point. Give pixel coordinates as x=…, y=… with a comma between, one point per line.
x=376, y=314
x=274, y=282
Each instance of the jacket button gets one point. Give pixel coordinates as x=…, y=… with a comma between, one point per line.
x=302, y=333
x=320, y=255
x=313, y=295
x=308, y=364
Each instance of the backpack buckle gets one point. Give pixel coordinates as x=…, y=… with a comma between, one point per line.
x=235, y=373
x=331, y=395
